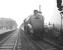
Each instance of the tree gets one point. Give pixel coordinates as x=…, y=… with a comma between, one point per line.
x=7, y=23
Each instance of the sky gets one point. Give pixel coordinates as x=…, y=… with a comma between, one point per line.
x=20, y=9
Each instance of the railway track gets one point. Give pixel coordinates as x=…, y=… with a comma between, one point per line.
x=6, y=38
x=17, y=45
x=47, y=44
x=10, y=43
x=58, y=46
x=42, y=45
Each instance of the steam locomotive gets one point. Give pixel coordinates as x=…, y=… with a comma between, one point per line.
x=35, y=28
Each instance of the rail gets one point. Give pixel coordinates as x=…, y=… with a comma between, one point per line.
x=54, y=44
x=16, y=43
x=5, y=39
x=41, y=47
x=35, y=43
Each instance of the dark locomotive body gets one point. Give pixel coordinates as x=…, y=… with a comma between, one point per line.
x=36, y=29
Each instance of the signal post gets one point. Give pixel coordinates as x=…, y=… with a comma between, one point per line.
x=60, y=8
